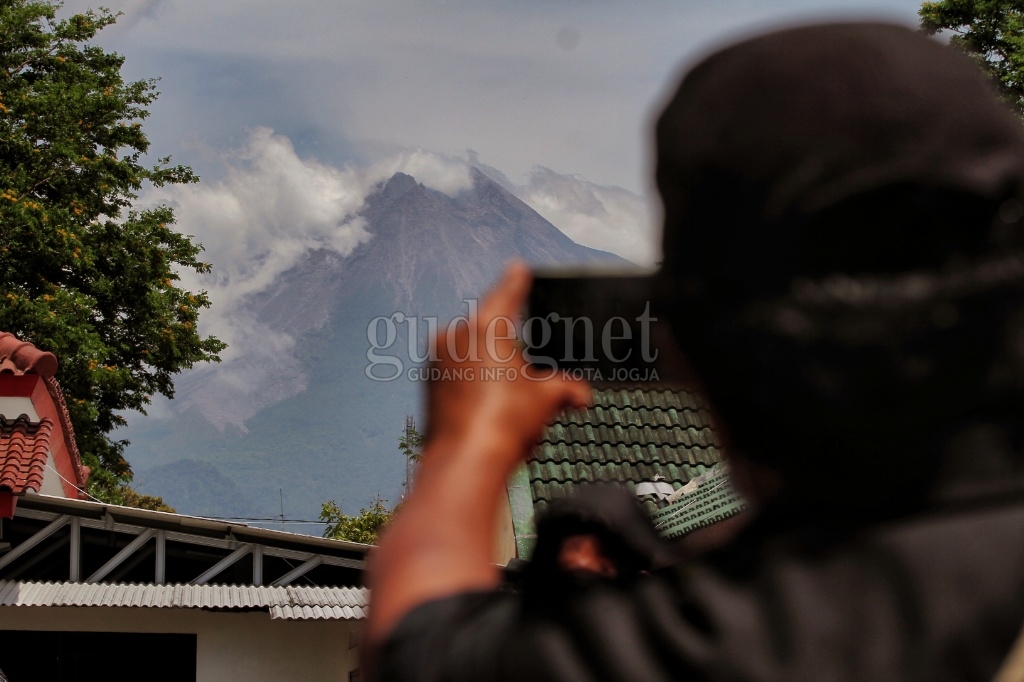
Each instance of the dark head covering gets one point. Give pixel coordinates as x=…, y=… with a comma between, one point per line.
x=842, y=253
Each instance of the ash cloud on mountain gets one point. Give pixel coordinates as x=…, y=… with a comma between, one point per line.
x=599, y=216
x=316, y=407
x=604, y=217
x=267, y=212
x=271, y=208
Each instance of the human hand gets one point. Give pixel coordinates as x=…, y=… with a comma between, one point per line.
x=484, y=390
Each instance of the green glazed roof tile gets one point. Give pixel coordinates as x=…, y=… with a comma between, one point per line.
x=539, y=491
x=588, y=435
x=580, y=453
x=674, y=471
x=631, y=454
x=629, y=435
x=567, y=472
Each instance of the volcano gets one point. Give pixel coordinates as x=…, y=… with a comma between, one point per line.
x=311, y=419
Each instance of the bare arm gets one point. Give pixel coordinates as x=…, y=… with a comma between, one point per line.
x=440, y=544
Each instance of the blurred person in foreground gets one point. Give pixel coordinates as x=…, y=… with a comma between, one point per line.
x=844, y=270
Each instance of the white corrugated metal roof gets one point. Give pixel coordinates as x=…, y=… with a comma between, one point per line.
x=292, y=602
x=155, y=519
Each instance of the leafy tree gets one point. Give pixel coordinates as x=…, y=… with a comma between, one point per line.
x=991, y=31
x=81, y=273
x=131, y=498
x=367, y=525
x=410, y=445
x=364, y=527
x=411, y=441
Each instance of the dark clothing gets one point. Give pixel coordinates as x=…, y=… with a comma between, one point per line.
x=936, y=596
x=934, y=593
x=844, y=268
x=821, y=218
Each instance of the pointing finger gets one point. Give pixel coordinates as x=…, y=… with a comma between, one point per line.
x=509, y=296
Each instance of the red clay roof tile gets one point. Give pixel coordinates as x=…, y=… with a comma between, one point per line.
x=24, y=447
x=21, y=357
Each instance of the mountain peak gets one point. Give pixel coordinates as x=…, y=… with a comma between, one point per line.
x=428, y=254
x=399, y=183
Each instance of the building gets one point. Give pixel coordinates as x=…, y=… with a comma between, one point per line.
x=37, y=443
x=87, y=587
x=652, y=440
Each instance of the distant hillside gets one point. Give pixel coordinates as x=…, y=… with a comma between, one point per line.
x=197, y=488
x=308, y=420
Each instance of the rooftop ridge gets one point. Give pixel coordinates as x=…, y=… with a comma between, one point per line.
x=22, y=357
x=81, y=471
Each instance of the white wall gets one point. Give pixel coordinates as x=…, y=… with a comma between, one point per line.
x=13, y=407
x=51, y=479
x=248, y=646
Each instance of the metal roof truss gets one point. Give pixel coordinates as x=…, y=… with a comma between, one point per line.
x=237, y=550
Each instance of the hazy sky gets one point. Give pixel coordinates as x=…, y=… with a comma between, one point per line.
x=565, y=84
x=291, y=110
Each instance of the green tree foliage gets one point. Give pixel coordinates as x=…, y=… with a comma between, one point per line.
x=131, y=498
x=411, y=441
x=82, y=274
x=367, y=525
x=364, y=527
x=991, y=31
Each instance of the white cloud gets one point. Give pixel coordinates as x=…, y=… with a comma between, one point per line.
x=267, y=212
x=599, y=216
x=270, y=209
x=444, y=173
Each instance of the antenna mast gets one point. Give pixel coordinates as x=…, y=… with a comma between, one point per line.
x=280, y=491
x=410, y=465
